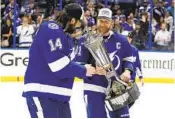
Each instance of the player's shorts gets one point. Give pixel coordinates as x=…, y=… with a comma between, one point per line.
x=48, y=108
x=121, y=113
x=95, y=104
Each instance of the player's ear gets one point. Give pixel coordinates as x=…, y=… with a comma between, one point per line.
x=73, y=21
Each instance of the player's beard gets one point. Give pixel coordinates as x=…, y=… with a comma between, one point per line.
x=103, y=30
x=69, y=28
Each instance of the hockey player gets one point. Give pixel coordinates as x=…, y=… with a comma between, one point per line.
x=136, y=62
x=120, y=53
x=50, y=72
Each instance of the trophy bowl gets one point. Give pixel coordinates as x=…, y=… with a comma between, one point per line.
x=121, y=98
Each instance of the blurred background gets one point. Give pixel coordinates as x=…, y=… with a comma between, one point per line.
x=146, y=18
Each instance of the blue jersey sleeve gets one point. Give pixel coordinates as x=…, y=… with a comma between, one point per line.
x=127, y=55
x=57, y=61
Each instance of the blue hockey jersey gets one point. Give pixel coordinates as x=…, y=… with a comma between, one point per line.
x=120, y=53
x=50, y=71
x=136, y=64
x=80, y=52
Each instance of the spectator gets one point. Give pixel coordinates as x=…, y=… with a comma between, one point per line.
x=132, y=20
x=55, y=13
x=162, y=38
x=38, y=21
x=154, y=24
x=10, y=16
x=143, y=7
x=131, y=15
x=138, y=38
x=2, y=7
x=144, y=23
x=118, y=13
x=98, y=7
x=170, y=9
x=25, y=32
x=90, y=20
x=123, y=22
x=91, y=8
x=141, y=10
x=28, y=8
x=29, y=11
x=114, y=8
x=117, y=28
x=31, y=21
x=169, y=21
x=10, y=7
x=159, y=11
x=37, y=12
x=7, y=34
x=129, y=25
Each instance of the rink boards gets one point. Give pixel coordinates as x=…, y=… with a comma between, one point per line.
x=158, y=67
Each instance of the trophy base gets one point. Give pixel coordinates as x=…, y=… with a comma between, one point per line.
x=130, y=96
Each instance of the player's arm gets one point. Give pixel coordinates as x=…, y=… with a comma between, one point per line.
x=59, y=63
x=127, y=58
x=138, y=66
x=127, y=61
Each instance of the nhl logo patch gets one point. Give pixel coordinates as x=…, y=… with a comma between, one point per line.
x=53, y=26
x=105, y=13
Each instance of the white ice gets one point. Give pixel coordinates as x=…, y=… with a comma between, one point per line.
x=156, y=101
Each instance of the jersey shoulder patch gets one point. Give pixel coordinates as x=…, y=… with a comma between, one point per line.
x=53, y=26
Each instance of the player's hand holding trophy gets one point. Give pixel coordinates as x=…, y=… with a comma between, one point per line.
x=118, y=93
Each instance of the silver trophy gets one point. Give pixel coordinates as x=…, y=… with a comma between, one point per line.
x=118, y=93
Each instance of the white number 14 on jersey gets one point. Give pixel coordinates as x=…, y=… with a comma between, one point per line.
x=57, y=44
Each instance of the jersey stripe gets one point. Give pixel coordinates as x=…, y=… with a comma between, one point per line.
x=47, y=89
x=59, y=64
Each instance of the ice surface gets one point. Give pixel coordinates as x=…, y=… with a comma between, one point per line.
x=156, y=101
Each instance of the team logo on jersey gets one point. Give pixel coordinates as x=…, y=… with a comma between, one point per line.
x=113, y=56
x=53, y=26
x=118, y=45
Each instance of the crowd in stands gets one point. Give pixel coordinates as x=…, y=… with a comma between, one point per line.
x=127, y=17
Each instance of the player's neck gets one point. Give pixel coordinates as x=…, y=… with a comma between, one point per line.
x=106, y=34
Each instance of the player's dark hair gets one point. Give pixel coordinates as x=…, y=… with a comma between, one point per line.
x=72, y=10
x=62, y=19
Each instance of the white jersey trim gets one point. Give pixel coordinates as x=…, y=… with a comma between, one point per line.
x=59, y=64
x=47, y=89
x=130, y=59
x=39, y=108
x=95, y=88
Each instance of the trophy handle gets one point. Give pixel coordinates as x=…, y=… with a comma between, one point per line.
x=112, y=73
